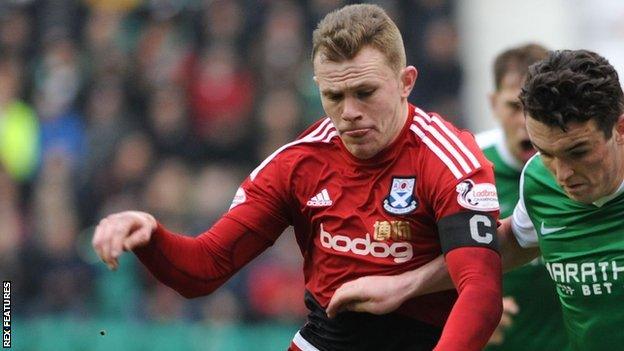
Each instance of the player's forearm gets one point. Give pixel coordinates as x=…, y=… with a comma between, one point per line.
x=431, y=277
x=197, y=266
x=513, y=255
x=477, y=311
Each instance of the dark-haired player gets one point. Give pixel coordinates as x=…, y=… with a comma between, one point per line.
x=509, y=148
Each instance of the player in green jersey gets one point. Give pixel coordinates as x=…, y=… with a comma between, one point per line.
x=570, y=207
x=572, y=194
x=528, y=289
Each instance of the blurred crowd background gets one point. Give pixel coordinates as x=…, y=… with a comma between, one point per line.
x=163, y=106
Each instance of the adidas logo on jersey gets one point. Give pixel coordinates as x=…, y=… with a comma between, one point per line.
x=320, y=200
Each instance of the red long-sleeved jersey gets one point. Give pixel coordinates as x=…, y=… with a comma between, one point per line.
x=430, y=192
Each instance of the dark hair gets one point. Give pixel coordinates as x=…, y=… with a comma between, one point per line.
x=573, y=86
x=517, y=60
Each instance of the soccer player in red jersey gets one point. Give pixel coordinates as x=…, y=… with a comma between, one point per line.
x=378, y=187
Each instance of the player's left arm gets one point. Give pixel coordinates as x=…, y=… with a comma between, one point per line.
x=470, y=251
x=467, y=211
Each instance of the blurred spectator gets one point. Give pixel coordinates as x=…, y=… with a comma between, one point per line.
x=280, y=112
x=213, y=191
x=221, y=94
x=13, y=228
x=161, y=50
x=108, y=123
x=19, y=127
x=223, y=22
x=434, y=45
x=130, y=165
x=282, y=50
x=58, y=80
x=167, y=192
x=106, y=44
x=15, y=31
x=58, y=279
x=441, y=70
x=169, y=124
x=222, y=308
x=278, y=267
x=163, y=304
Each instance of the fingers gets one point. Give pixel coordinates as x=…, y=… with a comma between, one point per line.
x=343, y=299
x=510, y=306
x=101, y=242
x=111, y=234
x=137, y=239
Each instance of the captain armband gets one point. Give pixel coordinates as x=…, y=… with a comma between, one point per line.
x=469, y=228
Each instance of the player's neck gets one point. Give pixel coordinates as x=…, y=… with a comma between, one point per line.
x=400, y=121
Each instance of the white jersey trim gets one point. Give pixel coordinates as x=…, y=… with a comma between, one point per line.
x=521, y=224
x=436, y=150
x=326, y=134
x=303, y=344
x=450, y=135
x=449, y=154
x=442, y=140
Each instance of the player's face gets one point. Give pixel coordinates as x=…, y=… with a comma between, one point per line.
x=365, y=99
x=508, y=110
x=586, y=165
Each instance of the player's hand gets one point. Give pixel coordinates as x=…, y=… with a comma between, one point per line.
x=510, y=308
x=120, y=232
x=372, y=294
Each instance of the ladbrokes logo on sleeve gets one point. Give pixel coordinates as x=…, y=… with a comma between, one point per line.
x=478, y=197
x=400, y=251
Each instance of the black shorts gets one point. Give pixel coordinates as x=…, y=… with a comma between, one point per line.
x=365, y=331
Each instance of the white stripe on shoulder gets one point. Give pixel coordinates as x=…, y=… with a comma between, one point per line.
x=423, y=114
x=326, y=133
x=303, y=344
x=445, y=142
x=318, y=129
x=452, y=136
x=441, y=155
x=459, y=143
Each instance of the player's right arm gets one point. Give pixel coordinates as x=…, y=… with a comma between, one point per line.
x=195, y=266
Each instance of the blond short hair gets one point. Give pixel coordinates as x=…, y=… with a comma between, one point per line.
x=344, y=32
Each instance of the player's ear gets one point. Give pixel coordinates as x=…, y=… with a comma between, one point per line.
x=619, y=130
x=408, y=79
x=315, y=79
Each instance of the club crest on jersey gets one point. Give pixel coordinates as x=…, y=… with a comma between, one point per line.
x=479, y=197
x=401, y=199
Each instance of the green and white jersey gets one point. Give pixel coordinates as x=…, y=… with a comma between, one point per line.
x=530, y=285
x=583, y=249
